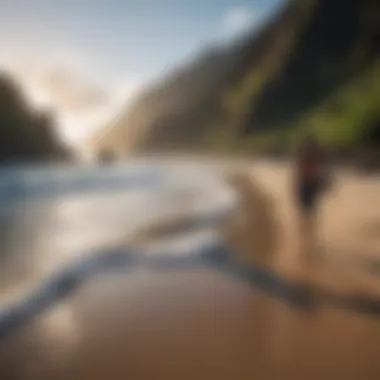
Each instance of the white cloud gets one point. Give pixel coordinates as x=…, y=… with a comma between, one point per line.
x=79, y=126
x=57, y=84
x=238, y=20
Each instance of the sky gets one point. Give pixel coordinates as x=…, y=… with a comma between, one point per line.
x=86, y=58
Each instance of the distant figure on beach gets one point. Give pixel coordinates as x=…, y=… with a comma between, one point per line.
x=310, y=183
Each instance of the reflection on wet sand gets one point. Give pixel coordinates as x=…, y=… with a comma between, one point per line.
x=212, y=318
x=190, y=325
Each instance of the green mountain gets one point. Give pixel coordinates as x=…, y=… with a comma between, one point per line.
x=313, y=65
x=26, y=135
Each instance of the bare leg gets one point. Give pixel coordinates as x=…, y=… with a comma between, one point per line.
x=305, y=226
x=308, y=238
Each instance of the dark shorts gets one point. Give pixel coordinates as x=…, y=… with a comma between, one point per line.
x=308, y=192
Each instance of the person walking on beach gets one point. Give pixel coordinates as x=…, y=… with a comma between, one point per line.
x=310, y=183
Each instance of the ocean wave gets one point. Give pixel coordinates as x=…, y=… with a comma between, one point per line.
x=38, y=183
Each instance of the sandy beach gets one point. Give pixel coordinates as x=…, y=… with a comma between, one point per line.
x=210, y=323
x=348, y=228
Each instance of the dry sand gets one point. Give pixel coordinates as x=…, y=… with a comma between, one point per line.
x=205, y=324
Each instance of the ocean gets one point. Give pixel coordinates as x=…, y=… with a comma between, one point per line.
x=55, y=217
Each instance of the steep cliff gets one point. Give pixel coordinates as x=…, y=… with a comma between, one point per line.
x=306, y=54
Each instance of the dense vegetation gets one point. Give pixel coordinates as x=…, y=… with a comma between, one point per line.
x=26, y=135
x=314, y=65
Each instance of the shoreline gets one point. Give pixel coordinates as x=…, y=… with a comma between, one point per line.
x=254, y=231
x=209, y=316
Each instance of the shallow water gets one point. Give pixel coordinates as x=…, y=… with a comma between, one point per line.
x=52, y=216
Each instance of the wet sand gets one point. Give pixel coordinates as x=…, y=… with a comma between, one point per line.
x=206, y=323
